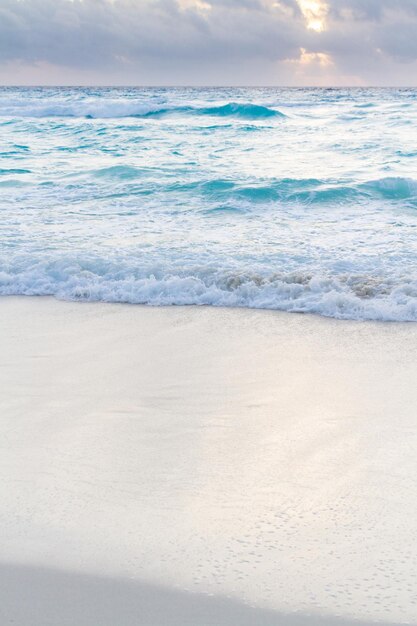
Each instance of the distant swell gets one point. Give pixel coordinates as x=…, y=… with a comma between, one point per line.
x=353, y=297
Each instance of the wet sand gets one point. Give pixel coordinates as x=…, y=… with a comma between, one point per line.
x=198, y=466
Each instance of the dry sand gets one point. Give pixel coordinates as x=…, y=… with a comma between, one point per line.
x=197, y=466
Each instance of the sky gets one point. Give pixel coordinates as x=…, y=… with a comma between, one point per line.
x=208, y=42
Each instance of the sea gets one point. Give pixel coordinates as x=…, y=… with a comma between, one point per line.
x=291, y=199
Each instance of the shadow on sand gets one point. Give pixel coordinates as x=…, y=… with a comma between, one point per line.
x=31, y=596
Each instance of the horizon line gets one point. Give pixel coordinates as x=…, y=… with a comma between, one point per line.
x=185, y=86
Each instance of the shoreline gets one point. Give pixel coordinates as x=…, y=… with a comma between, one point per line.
x=221, y=307
x=264, y=458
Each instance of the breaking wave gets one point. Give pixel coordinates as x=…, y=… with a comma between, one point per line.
x=108, y=108
x=345, y=296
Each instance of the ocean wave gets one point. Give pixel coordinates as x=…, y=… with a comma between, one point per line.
x=108, y=108
x=352, y=297
x=387, y=188
x=392, y=187
x=365, y=105
x=303, y=190
x=234, y=194
x=118, y=172
x=13, y=170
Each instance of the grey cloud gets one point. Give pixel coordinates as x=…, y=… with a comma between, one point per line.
x=371, y=10
x=372, y=30
x=233, y=38
x=94, y=32
x=399, y=42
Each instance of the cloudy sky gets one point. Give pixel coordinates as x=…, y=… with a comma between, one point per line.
x=208, y=42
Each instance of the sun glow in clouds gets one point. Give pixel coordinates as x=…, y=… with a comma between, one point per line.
x=315, y=13
x=197, y=5
x=321, y=58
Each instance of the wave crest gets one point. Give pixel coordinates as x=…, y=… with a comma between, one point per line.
x=244, y=110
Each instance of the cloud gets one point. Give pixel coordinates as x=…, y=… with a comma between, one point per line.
x=207, y=41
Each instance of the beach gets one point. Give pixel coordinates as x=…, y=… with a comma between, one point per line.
x=200, y=466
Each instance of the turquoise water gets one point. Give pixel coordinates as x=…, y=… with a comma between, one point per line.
x=291, y=199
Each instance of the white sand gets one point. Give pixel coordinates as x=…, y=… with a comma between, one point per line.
x=150, y=457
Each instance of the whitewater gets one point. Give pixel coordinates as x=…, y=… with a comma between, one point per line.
x=301, y=200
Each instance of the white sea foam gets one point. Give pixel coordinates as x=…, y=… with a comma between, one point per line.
x=342, y=297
